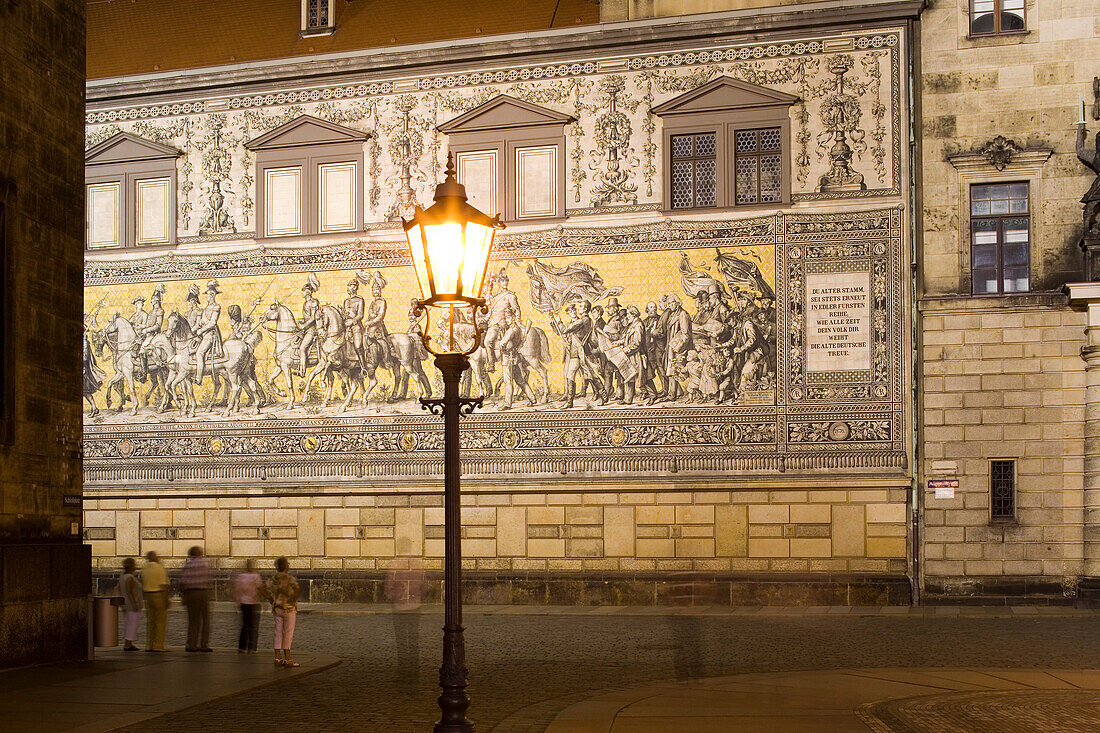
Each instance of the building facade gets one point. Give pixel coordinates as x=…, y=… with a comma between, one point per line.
x=1007, y=371
x=44, y=565
x=697, y=365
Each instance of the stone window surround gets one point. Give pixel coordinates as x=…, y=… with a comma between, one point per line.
x=975, y=168
x=505, y=143
x=309, y=158
x=318, y=30
x=725, y=124
x=127, y=175
x=994, y=39
x=996, y=10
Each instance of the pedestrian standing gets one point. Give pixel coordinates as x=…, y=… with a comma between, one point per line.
x=246, y=590
x=154, y=586
x=282, y=590
x=130, y=590
x=404, y=587
x=195, y=585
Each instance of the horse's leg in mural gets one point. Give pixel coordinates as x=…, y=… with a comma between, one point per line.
x=316, y=369
x=233, y=390
x=540, y=369
x=353, y=383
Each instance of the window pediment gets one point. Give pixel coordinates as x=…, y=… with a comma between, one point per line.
x=305, y=130
x=128, y=148
x=504, y=112
x=722, y=94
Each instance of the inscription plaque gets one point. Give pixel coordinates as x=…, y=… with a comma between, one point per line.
x=838, y=321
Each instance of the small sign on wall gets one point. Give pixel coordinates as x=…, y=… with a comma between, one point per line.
x=71, y=500
x=944, y=487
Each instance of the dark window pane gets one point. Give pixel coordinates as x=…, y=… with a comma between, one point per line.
x=1018, y=191
x=771, y=183
x=984, y=256
x=1012, y=22
x=746, y=180
x=769, y=139
x=984, y=281
x=1002, y=489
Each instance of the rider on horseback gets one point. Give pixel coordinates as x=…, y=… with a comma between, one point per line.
x=209, y=332
x=354, y=310
x=153, y=323
x=375, y=325
x=311, y=311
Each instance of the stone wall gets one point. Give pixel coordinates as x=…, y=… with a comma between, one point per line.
x=1003, y=383
x=43, y=565
x=840, y=534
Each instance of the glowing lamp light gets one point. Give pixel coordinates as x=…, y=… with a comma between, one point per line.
x=450, y=243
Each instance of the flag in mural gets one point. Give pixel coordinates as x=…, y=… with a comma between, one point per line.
x=743, y=274
x=699, y=280
x=552, y=287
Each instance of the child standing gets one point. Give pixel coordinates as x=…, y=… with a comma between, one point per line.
x=246, y=590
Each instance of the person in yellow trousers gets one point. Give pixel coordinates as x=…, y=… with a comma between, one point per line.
x=154, y=586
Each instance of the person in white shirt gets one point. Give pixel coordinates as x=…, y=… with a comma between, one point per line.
x=246, y=591
x=130, y=590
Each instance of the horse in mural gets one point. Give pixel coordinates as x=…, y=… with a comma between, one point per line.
x=410, y=353
x=286, y=358
x=235, y=367
x=119, y=336
x=533, y=353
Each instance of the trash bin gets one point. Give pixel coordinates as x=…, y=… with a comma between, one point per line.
x=105, y=620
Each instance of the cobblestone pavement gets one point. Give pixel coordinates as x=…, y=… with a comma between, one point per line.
x=525, y=668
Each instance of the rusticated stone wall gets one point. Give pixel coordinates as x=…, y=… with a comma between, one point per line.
x=43, y=565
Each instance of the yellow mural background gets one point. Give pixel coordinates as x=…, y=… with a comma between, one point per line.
x=643, y=277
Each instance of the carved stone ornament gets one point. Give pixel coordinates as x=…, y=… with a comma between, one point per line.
x=999, y=151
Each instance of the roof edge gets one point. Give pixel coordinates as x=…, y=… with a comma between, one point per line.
x=401, y=61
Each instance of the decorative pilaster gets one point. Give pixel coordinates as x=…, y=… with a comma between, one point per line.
x=1088, y=294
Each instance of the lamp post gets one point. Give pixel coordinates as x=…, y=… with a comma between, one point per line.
x=450, y=243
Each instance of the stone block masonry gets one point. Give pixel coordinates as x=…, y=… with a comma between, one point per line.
x=841, y=543
x=44, y=567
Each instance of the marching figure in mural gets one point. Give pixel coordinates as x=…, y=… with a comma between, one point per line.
x=93, y=375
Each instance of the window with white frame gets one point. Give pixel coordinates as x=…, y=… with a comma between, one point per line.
x=1000, y=238
x=130, y=194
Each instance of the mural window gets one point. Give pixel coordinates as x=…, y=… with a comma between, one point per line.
x=694, y=170
x=997, y=17
x=510, y=156
x=477, y=171
x=726, y=144
x=1002, y=490
x=1000, y=238
x=130, y=194
x=282, y=201
x=309, y=175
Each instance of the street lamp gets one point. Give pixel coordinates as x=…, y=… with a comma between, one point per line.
x=450, y=243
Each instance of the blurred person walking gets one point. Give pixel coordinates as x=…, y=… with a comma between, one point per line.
x=282, y=590
x=130, y=589
x=195, y=585
x=404, y=588
x=154, y=586
x=246, y=591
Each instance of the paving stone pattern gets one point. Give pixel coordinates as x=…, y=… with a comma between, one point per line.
x=1065, y=711
x=526, y=668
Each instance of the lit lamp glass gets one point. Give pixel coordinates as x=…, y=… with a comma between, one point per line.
x=450, y=243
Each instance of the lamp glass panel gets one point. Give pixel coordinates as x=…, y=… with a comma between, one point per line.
x=479, y=240
x=444, y=253
x=416, y=245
